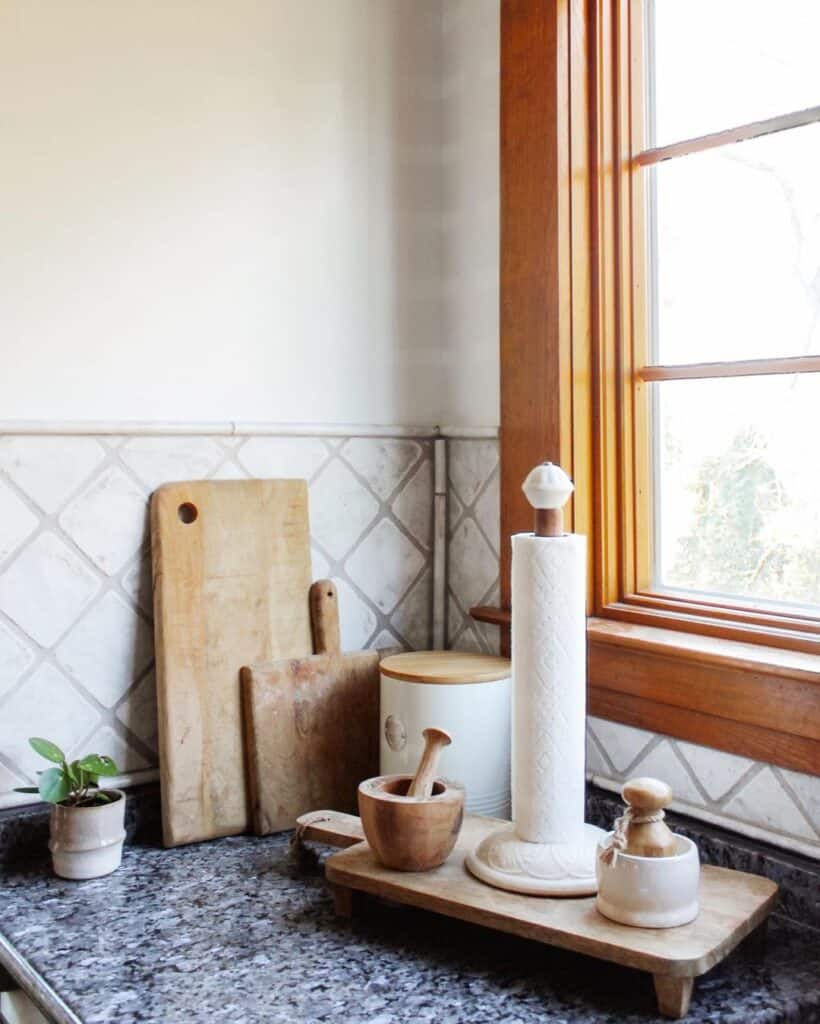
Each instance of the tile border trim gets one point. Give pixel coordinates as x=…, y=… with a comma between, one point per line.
x=232, y=428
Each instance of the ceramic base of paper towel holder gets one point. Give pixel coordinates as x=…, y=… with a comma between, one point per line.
x=506, y=861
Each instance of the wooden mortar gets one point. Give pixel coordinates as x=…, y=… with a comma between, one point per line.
x=412, y=821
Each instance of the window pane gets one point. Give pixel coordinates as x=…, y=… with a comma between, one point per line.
x=737, y=488
x=737, y=250
x=720, y=63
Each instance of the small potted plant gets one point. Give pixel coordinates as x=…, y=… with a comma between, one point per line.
x=87, y=823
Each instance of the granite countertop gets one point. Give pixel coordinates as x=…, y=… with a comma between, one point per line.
x=236, y=930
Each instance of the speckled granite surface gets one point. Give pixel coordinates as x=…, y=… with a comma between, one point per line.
x=233, y=931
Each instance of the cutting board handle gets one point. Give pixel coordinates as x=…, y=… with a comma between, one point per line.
x=324, y=617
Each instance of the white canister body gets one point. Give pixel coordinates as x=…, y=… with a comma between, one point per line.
x=477, y=716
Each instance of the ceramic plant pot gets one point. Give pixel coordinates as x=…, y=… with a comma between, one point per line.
x=86, y=842
x=650, y=892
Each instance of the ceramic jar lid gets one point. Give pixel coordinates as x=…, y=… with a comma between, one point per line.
x=445, y=667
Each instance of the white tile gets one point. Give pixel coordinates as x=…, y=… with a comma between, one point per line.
x=454, y=511
x=413, y=617
x=384, y=565
x=456, y=621
x=320, y=567
x=414, y=505
x=45, y=588
x=357, y=621
x=340, y=509
x=469, y=464
x=622, y=743
x=382, y=462
x=487, y=512
x=108, y=648
x=807, y=791
x=47, y=705
x=106, y=741
x=138, y=712
x=283, y=457
x=17, y=521
x=136, y=582
x=229, y=470
x=49, y=469
x=109, y=520
x=160, y=460
x=490, y=636
x=595, y=761
x=715, y=770
x=473, y=565
x=469, y=641
x=385, y=640
x=15, y=658
x=10, y=780
x=765, y=803
x=662, y=763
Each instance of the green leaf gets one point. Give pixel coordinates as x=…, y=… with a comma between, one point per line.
x=75, y=774
x=45, y=748
x=54, y=786
x=99, y=764
x=26, y=789
x=102, y=797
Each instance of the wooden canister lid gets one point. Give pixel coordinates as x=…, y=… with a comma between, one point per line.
x=445, y=667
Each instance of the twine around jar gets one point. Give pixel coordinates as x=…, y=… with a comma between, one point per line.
x=618, y=840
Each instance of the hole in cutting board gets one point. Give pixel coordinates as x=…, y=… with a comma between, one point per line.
x=187, y=512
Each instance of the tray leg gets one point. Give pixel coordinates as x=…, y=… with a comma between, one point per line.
x=673, y=994
x=345, y=900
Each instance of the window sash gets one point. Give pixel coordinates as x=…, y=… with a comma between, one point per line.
x=634, y=597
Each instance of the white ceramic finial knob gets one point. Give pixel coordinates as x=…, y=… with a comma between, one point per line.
x=547, y=486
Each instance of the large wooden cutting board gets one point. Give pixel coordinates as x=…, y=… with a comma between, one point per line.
x=231, y=562
x=312, y=725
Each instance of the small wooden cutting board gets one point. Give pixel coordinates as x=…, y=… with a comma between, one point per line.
x=231, y=562
x=312, y=725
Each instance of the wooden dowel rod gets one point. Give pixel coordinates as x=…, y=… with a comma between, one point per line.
x=549, y=522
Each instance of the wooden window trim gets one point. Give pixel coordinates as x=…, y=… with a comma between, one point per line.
x=568, y=218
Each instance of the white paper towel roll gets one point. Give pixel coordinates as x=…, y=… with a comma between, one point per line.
x=549, y=687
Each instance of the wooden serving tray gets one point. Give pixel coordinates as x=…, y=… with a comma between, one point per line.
x=732, y=904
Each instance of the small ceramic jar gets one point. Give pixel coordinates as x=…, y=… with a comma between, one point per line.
x=649, y=892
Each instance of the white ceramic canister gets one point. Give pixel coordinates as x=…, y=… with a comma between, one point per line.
x=469, y=696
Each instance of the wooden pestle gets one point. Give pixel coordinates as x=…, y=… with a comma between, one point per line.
x=434, y=741
x=647, y=797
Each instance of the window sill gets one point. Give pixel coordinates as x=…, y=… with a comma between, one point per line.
x=756, y=701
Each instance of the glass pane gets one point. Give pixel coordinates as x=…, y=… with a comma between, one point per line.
x=737, y=495
x=717, y=64
x=737, y=250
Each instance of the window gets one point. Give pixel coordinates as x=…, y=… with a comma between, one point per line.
x=660, y=338
x=726, y=287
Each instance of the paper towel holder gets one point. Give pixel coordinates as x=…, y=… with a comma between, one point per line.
x=504, y=859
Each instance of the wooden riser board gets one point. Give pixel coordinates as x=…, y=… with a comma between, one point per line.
x=732, y=904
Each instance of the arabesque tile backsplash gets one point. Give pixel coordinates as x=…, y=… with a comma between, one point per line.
x=76, y=635
x=76, y=640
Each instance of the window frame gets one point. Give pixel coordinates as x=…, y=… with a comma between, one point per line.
x=572, y=340
x=634, y=598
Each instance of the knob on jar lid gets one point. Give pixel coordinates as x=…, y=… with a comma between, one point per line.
x=646, y=793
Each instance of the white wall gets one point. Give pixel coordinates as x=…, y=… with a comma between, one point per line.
x=220, y=209
x=470, y=63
